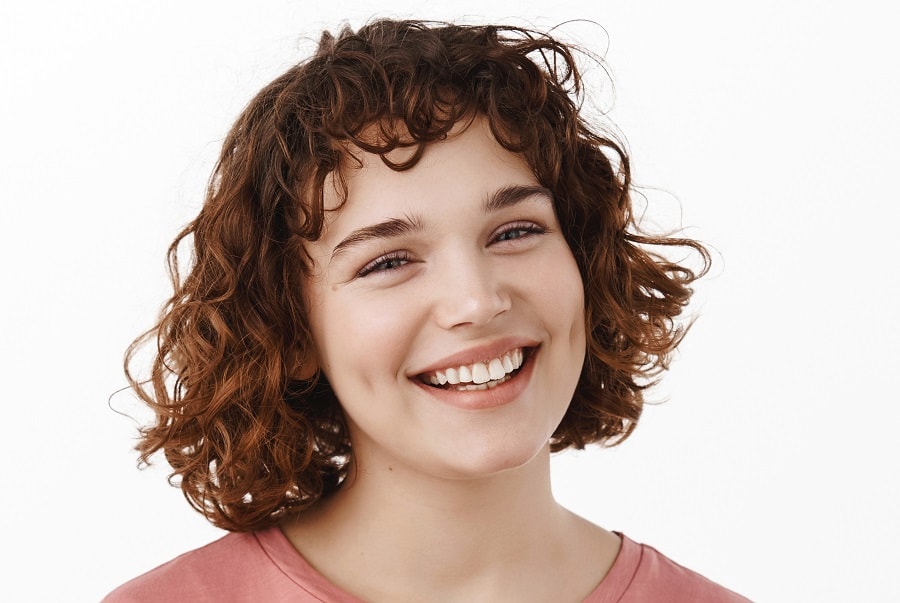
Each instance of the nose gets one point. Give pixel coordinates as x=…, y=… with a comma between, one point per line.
x=471, y=292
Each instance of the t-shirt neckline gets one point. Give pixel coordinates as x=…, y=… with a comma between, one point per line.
x=294, y=565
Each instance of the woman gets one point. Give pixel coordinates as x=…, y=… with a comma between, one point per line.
x=415, y=275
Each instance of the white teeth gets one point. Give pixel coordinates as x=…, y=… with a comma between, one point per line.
x=495, y=368
x=480, y=373
x=472, y=387
x=490, y=373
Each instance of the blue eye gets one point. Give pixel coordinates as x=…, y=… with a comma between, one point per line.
x=519, y=230
x=385, y=263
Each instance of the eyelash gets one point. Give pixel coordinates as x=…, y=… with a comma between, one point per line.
x=380, y=264
x=527, y=228
x=383, y=262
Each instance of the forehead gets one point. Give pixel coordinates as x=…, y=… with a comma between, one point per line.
x=468, y=161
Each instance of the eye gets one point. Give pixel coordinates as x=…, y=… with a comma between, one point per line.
x=385, y=263
x=517, y=230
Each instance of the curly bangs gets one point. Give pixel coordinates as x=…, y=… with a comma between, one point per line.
x=247, y=439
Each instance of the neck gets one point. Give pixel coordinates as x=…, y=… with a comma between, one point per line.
x=452, y=518
x=430, y=534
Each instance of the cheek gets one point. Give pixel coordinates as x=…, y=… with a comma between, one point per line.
x=563, y=304
x=559, y=288
x=359, y=343
x=577, y=326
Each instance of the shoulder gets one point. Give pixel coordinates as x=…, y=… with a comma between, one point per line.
x=211, y=572
x=641, y=573
x=253, y=566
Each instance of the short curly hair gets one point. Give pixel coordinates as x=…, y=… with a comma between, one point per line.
x=248, y=441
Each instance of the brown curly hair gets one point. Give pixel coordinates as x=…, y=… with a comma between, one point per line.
x=247, y=440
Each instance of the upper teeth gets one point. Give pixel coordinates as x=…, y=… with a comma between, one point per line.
x=480, y=372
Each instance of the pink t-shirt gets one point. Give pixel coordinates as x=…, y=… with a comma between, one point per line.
x=264, y=566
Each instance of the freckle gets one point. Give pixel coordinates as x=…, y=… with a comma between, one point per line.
x=390, y=468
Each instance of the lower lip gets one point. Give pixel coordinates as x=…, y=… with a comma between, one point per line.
x=499, y=395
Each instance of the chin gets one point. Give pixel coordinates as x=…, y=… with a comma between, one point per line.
x=495, y=457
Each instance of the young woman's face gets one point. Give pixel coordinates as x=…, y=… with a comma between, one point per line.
x=447, y=310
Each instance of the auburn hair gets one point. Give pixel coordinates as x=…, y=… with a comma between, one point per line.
x=247, y=441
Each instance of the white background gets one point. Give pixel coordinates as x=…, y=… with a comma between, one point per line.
x=770, y=129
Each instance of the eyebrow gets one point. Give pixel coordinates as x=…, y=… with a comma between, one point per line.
x=389, y=229
x=511, y=195
x=392, y=228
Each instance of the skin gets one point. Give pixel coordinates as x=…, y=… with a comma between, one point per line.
x=450, y=492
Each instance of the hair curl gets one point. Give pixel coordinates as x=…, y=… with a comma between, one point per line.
x=245, y=439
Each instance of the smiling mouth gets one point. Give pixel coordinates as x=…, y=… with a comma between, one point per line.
x=480, y=375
